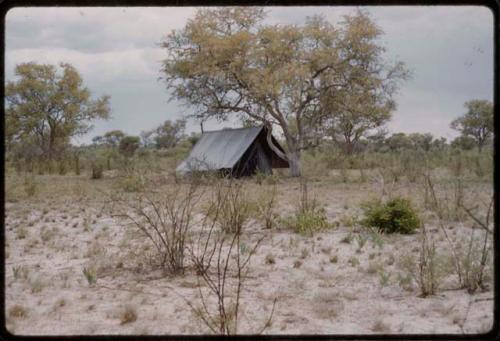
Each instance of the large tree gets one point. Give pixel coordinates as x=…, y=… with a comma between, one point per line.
x=365, y=103
x=50, y=106
x=477, y=122
x=226, y=62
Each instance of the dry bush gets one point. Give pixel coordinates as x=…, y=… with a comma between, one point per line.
x=427, y=271
x=18, y=312
x=222, y=262
x=445, y=200
x=128, y=315
x=309, y=217
x=474, y=254
x=327, y=305
x=164, y=217
x=30, y=185
x=266, y=206
x=469, y=263
x=381, y=327
x=235, y=207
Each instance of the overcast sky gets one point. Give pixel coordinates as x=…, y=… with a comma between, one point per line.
x=449, y=50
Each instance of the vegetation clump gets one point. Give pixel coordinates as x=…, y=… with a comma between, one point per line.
x=394, y=216
x=18, y=311
x=128, y=315
x=310, y=217
x=308, y=222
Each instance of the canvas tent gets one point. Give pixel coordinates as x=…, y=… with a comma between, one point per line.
x=239, y=152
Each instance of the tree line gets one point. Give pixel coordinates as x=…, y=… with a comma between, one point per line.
x=311, y=84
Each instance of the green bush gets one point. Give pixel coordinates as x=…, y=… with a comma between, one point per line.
x=396, y=215
x=307, y=222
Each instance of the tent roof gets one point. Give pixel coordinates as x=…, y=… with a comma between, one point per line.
x=219, y=149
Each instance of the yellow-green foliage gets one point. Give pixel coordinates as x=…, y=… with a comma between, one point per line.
x=307, y=222
x=131, y=183
x=395, y=215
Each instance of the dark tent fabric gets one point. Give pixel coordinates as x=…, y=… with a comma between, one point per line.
x=239, y=152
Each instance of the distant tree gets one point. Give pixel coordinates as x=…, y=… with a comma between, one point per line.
x=128, y=145
x=464, y=142
x=439, y=143
x=193, y=138
x=50, y=106
x=421, y=141
x=477, y=122
x=226, y=63
x=169, y=133
x=376, y=141
x=398, y=141
x=112, y=138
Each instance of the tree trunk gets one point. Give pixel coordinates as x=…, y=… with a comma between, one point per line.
x=349, y=147
x=294, y=161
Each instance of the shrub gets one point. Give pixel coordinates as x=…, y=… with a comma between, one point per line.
x=90, y=275
x=308, y=222
x=309, y=217
x=427, y=271
x=36, y=286
x=18, y=311
x=131, y=183
x=97, y=170
x=128, y=315
x=30, y=186
x=164, y=217
x=235, y=207
x=266, y=205
x=396, y=215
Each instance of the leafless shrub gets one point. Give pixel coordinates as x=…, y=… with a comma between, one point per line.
x=469, y=264
x=426, y=271
x=427, y=266
x=235, y=207
x=222, y=265
x=474, y=259
x=266, y=206
x=165, y=217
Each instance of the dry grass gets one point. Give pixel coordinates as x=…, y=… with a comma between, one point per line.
x=380, y=327
x=327, y=305
x=18, y=312
x=128, y=315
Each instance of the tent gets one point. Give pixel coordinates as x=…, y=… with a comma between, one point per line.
x=238, y=152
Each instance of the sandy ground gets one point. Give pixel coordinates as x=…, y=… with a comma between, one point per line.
x=323, y=283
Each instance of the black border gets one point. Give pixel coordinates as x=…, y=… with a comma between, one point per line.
x=493, y=5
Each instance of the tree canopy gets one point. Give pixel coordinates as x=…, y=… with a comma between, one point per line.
x=166, y=135
x=226, y=62
x=477, y=122
x=49, y=107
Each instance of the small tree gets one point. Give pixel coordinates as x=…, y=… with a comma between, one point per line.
x=169, y=133
x=128, y=145
x=477, y=122
x=463, y=142
x=112, y=138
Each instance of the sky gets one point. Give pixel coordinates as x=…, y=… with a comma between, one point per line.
x=449, y=50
